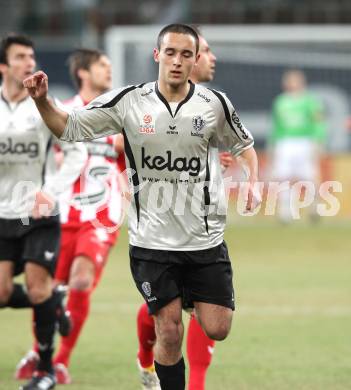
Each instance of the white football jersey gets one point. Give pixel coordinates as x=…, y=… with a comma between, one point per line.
x=27, y=163
x=178, y=198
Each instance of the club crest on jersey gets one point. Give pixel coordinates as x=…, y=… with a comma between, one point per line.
x=147, y=126
x=146, y=288
x=198, y=125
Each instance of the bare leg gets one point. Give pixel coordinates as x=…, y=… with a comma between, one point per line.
x=169, y=333
x=215, y=320
x=169, y=362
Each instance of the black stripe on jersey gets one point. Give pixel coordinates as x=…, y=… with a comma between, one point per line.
x=165, y=102
x=43, y=171
x=207, y=198
x=163, y=99
x=118, y=97
x=135, y=177
x=226, y=110
x=188, y=97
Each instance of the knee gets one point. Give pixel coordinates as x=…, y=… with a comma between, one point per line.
x=170, y=333
x=218, y=332
x=38, y=294
x=5, y=294
x=81, y=282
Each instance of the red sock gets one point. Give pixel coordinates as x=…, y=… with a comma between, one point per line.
x=78, y=305
x=146, y=336
x=199, y=351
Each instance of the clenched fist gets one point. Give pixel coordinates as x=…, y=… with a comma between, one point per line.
x=37, y=85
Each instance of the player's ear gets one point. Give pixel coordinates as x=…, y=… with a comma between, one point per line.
x=81, y=73
x=197, y=58
x=3, y=68
x=156, y=55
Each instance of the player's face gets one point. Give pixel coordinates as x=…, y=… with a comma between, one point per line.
x=20, y=63
x=294, y=82
x=204, y=70
x=176, y=58
x=100, y=74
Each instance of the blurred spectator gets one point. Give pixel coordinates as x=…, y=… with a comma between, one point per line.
x=297, y=137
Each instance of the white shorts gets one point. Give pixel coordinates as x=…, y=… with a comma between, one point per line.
x=295, y=159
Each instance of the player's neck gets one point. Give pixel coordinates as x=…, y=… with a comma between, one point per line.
x=12, y=92
x=173, y=93
x=89, y=94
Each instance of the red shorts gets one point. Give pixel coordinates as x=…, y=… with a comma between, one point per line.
x=84, y=240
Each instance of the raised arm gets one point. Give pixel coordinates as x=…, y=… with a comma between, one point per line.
x=103, y=116
x=55, y=119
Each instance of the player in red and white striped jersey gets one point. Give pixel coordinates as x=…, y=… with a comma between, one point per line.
x=91, y=210
x=96, y=196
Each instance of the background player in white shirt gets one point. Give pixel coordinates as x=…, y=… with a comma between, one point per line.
x=90, y=211
x=171, y=131
x=30, y=186
x=199, y=345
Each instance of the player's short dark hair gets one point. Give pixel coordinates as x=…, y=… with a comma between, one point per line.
x=82, y=59
x=179, y=29
x=13, y=39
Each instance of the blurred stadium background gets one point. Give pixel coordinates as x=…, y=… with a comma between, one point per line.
x=293, y=322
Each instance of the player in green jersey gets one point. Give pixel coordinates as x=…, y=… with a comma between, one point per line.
x=297, y=137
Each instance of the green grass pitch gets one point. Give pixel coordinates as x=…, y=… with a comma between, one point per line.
x=291, y=329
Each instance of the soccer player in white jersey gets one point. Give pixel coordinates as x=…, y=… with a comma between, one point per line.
x=171, y=130
x=90, y=210
x=199, y=345
x=30, y=186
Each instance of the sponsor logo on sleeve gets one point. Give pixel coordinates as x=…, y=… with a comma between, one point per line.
x=201, y=95
x=239, y=125
x=147, y=92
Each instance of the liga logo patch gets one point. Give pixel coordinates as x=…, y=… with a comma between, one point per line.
x=147, y=126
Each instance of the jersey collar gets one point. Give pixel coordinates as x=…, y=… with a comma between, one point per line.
x=2, y=97
x=165, y=102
